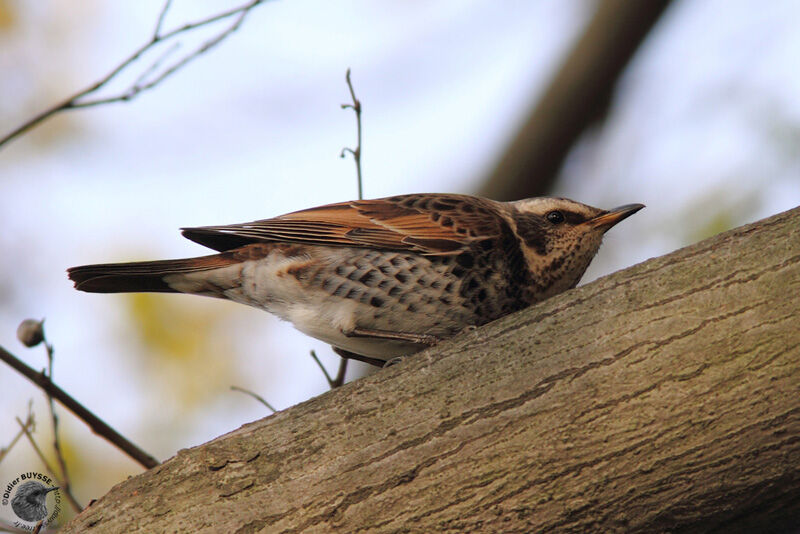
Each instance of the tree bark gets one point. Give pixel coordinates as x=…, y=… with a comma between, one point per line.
x=661, y=398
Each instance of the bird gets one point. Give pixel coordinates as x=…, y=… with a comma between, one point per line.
x=380, y=279
x=29, y=501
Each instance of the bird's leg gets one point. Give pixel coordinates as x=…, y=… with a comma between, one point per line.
x=353, y=356
x=421, y=339
x=393, y=361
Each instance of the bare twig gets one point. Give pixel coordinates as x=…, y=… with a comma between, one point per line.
x=30, y=424
x=161, y=17
x=97, y=425
x=78, y=100
x=355, y=106
x=64, y=481
x=256, y=396
x=332, y=382
x=70, y=497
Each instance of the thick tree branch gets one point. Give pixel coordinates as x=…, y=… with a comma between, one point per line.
x=575, y=98
x=660, y=398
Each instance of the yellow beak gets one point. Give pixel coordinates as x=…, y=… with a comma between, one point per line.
x=610, y=218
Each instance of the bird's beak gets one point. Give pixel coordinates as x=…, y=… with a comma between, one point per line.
x=608, y=219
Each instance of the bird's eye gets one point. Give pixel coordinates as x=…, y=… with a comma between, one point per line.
x=555, y=217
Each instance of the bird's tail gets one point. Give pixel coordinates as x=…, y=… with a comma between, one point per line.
x=144, y=276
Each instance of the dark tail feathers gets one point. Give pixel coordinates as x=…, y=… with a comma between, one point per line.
x=145, y=276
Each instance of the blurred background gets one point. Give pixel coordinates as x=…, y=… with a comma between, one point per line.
x=693, y=110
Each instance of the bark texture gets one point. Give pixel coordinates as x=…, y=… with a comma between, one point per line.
x=661, y=398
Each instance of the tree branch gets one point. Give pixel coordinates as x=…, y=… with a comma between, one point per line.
x=97, y=425
x=662, y=398
x=143, y=81
x=576, y=97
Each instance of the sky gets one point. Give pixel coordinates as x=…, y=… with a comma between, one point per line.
x=703, y=129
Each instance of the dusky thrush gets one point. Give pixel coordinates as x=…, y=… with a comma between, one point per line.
x=380, y=279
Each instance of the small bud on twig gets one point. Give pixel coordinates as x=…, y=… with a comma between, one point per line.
x=30, y=332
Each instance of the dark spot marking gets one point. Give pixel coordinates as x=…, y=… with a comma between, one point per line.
x=532, y=230
x=472, y=284
x=401, y=277
x=353, y=293
x=435, y=216
x=572, y=217
x=369, y=277
x=446, y=222
x=447, y=301
x=339, y=291
x=482, y=295
x=438, y=205
x=436, y=284
x=412, y=307
x=458, y=272
x=450, y=287
x=467, y=208
x=394, y=291
x=414, y=269
x=465, y=259
x=383, y=284
x=555, y=264
x=396, y=261
x=487, y=244
x=299, y=271
x=377, y=302
x=340, y=270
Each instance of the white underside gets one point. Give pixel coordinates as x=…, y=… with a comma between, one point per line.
x=266, y=285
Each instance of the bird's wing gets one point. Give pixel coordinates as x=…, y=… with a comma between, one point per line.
x=430, y=224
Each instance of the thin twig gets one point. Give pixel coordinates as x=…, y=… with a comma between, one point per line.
x=70, y=497
x=97, y=425
x=30, y=424
x=76, y=102
x=154, y=67
x=64, y=482
x=322, y=368
x=160, y=23
x=355, y=106
x=256, y=396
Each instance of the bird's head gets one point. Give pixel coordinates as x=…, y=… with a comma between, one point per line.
x=560, y=237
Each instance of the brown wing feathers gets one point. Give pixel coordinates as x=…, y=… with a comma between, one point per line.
x=425, y=224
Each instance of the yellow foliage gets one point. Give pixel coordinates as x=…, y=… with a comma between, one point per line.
x=185, y=346
x=7, y=15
